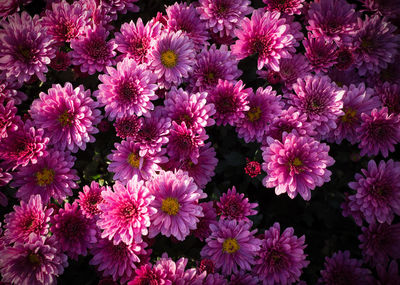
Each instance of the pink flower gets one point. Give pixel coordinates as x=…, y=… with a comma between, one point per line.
x=90, y=198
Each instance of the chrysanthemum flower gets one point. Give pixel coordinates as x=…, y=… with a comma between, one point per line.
x=115, y=7
x=35, y=262
x=266, y=34
x=233, y=206
x=223, y=16
x=389, y=95
x=320, y=53
x=292, y=68
x=265, y=105
x=127, y=90
x=9, y=90
x=289, y=121
x=252, y=168
x=288, y=7
x=9, y=121
x=389, y=276
x=126, y=212
x=31, y=217
x=345, y=58
x=74, y=232
x=185, y=143
x=211, y=65
x=128, y=126
x=376, y=44
x=25, y=145
x=296, y=165
x=118, y=261
x=231, y=245
x=320, y=99
x=25, y=48
x=388, y=8
x=244, y=278
x=65, y=22
x=5, y=177
x=90, y=198
x=135, y=40
x=126, y=162
x=172, y=59
x=51, y=177
x=379, y=242
x=176, y=200
x=215, y=279
x=8, y=7
x=203, y=226
x=92, y=52
x=344, y=78
x=230, y=100
x=378, y=132
x=341, y=269
x=378, y=192
x=191, y=108
x=61, y=61
x=332, y=19
x=67, y=115
x=148, y=274
x=357, y=99
x=184, y=17
x=281, y=257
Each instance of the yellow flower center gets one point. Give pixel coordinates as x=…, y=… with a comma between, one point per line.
x=134, y=160
x=349, y=115
x=297, y=162
x=66, y=119
x=169, y=58
x=254, y=114
x=34, y=259
x=44, y=177
x=230, y=245
x=170, y=206
x=210, y=75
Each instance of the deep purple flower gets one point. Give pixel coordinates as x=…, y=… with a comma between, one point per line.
x=288, y=7
x=25, y=48
x=203, y=230
x=5, y=177
x=389, y=95
x=35, y=262
x=296, y=165
x=390, y=276
x=61, y=61
x=176, y=201
x=127, y=90
x=388, y=8
x=242, y=277
x=266, y=34
x=67, y=115
x=92, y=52
x=281, y=257
x=320, y=53
x=378, y=192
x=379, y=132
x=292, y=68
x=231, y=245
x=8, y=7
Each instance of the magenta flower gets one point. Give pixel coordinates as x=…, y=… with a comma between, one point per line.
x=128, y=126
x=9, y=121
x=215, y=279
x=191, y=108
x=266, y=34
x=292, y=68
x=281, y=256
x=379, y=242
x=176, y=201
x=376, y=44
x=51, y=177
x=90, y=198
x=61, y=61
x=378, y=132
x=135, y=40
x=230, y=100
x=26, y=145
x=5, y=177
x=148, y=274
x=288, y=7
x=296, y=165
x=321, y=54
x=203, y=230
x=25, y=48
x=231, y=245
x=223, y=16
x=244, y=278
x=118, y=261
x=65, y=22
x=378, y=192
x=126, y=162
x=341, y=268
x=92, y=52
x=184, y=17
x=31, y=217
x=9, y=7
x=126, y=212
x=332, y=19
x=265, y=105
x=320, y=99
x=389, y=8
x=127, y=90
x=233, y=206
x=67, y=115
x=211, y=65
x=172, y=59
x=35, y=262
x=74, y=232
